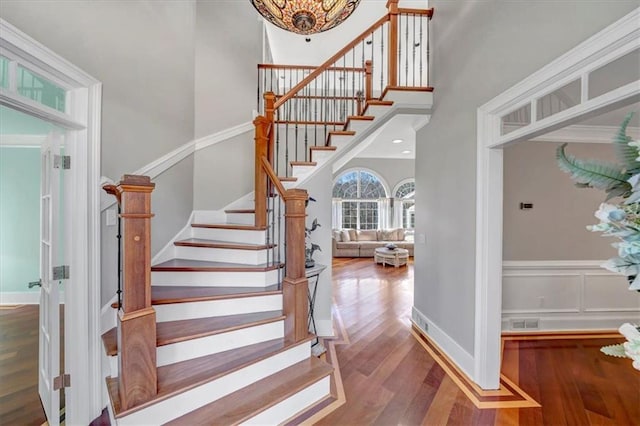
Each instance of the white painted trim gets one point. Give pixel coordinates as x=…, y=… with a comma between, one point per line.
x=586, y=134
x=553, y=265
x=223, y=135
x=24, y=298
x=31, y=107
x=399, y=184
x=324, y=327
x=604, y=47
x=21, y=141
x=82, y=353
x=569, y=322
x=164, y=163
x=451, y=348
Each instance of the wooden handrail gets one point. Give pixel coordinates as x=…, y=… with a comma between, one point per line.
x=407, y=11
x=330, y=61
x=273, y=177
x=307, y=67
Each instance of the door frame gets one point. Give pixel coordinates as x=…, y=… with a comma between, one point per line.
x=84, y=399
x=616, y=40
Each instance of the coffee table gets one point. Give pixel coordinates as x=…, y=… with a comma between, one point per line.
x=396, y=257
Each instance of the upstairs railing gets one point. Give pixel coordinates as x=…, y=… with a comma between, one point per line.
x=310, y=102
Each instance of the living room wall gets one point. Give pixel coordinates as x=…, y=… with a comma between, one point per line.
x=479, y=49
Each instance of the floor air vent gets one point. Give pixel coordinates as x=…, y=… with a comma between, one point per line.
x=525, y=324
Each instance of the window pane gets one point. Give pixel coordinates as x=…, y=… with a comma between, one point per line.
x=349, y=214
x=406, y=190
x=41, y=90
x=346, y=186
x=370, y=187
x=368, y=215
x=407, y=214
x=618, y=73
x=516, y=119
x=4, y=72
x=559, y=100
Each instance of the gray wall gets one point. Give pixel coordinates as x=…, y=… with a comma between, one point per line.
x=228, y=49
x=223, y=172
x=480, y=48
x=555, y=228
x=143, y=52
x=392, y=170
x=320, y=188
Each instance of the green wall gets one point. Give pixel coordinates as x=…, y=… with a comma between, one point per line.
x=19, y=218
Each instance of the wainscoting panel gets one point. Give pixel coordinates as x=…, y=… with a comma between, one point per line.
x=565, y=295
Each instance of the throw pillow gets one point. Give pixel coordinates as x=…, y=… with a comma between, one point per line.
x=389, y=235
x=367, y=235
x=400, y=234
x=353, y=234
x=345, y=236
x=337, y=235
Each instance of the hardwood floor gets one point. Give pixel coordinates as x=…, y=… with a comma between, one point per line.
x=389, y=378
x=19, y=400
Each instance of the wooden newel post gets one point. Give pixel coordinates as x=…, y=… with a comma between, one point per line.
x=262, y=150
x=392, y=5
x=368, y=80
x=295, y=283
x=269, y=111
x=137, y=376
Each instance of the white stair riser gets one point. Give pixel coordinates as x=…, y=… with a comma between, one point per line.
x=378, y=110
x=322, y=155
x=195, y=398
x=215, y=279
x=291, y=406
x=243, y=218
x=359, y=125
x=194, y=348
x=289, y=185
x=245, y=257
x=339, y=141
x=216, y=308
x=302, y=171
x=408, y=97
x=230, y=235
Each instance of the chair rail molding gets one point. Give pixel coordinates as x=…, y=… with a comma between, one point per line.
x=164, y=163
x=613, y=42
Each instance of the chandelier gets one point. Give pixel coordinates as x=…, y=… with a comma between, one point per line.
x=305, y=16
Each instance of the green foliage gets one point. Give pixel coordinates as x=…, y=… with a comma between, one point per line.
x=595, y=174
x=627, y=154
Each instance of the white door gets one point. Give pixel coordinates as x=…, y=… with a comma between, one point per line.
x=52, y=254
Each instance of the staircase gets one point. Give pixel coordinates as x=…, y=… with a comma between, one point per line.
x=217, y=332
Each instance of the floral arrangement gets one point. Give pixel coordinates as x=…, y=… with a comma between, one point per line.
x=620, y=220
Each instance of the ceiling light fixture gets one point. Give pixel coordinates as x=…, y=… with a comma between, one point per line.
x=406, y=152
x=397, y=141
x=305, y=16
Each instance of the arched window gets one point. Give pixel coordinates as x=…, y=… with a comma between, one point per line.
x=356, y=194
x=404, y=195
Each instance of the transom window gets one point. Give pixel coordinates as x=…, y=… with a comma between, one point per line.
x=358, y=192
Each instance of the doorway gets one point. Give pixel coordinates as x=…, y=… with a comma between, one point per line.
x=37, y=82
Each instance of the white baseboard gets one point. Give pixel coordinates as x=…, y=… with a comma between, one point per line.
x=23, y=298
x=167, y=252
x=463, y=359
x=573, y=322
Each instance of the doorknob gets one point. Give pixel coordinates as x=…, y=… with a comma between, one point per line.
x=35, y=283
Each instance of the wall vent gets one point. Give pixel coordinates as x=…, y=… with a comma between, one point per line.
x=525, y=324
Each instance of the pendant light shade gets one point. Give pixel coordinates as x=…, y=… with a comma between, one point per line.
x=305, y=16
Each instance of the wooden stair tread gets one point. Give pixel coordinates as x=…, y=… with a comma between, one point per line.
x=378, y=102
x=185, y=375
x=303, y=163
x=249, y=401
x=287, y=178
x=179, y=331
x=247, y=211
x=360, y=118
x=182, y=330
x=238, y=226
x=323, y=148
x=409, y=88
x=189, y=265
x=200, y=242
x=162, y=295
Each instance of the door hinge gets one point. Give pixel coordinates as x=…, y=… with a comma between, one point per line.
x=61, y=272
x=62, y=162
x=62, y=381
